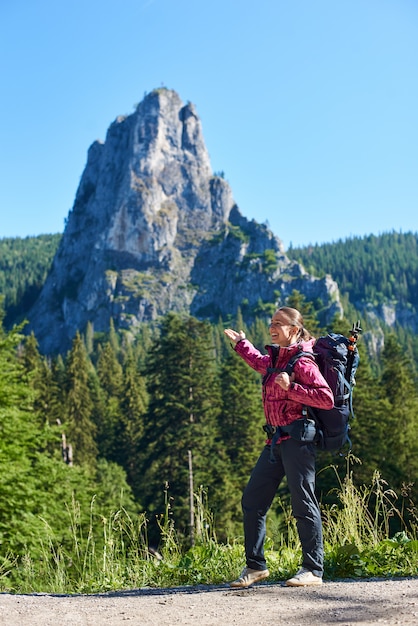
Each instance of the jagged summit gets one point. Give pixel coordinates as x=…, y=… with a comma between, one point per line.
x=152, y=229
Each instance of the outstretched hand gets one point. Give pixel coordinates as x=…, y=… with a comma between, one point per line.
x=233, y=335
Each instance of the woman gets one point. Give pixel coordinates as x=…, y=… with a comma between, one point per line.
x=284, y=399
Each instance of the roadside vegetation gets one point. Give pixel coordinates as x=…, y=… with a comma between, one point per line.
x=115, y=554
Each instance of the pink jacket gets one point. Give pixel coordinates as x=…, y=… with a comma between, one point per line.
x=308, y=389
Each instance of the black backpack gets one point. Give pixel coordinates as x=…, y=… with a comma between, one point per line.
x=338, y=359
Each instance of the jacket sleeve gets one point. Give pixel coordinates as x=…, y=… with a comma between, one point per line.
x=309, y=386
x=253, y=357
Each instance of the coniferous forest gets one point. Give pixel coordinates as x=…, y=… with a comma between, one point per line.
x=143, y=426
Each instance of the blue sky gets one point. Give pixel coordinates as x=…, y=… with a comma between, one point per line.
x=308, y=106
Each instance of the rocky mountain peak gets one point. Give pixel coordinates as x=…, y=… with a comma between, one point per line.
x=153, y=230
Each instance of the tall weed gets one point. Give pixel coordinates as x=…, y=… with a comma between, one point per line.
x=357, y=530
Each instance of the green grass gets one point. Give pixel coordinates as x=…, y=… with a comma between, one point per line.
x=357, y=544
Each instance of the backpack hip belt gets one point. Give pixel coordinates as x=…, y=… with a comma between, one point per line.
x=303, y=429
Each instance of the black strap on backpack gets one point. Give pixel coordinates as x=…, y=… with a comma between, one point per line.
x=290, y=364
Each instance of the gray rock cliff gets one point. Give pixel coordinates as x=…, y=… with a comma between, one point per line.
x=153, y=230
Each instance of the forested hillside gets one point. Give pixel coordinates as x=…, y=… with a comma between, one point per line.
x=373, y=269
x=24, y=265
x=372, y=272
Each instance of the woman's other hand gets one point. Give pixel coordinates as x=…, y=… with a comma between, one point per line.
x=284, y=380
x=233, y=335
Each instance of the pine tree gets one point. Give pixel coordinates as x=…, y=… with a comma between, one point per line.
x=218, y=340
x=242, y=417
x=89, y=338
x=109, y=370
x=110, y=376
x=80, y=428
x=45, y=391
x=56, y=389
x=369, y=428
x=114, y=338
x=399, y=388
x=36, y=373
x=99, y=416
x=134, y=403
x=181, y=423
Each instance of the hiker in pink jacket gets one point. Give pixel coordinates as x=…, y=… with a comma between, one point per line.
x=290, y=448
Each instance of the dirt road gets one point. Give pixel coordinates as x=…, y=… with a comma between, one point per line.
x=358, y=603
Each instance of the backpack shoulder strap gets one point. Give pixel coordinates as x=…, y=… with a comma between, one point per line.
x=274, y=353
x=291, y=363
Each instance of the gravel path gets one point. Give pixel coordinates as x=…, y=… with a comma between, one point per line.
x=358, y=603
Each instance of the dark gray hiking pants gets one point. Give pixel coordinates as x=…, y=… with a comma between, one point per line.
x=296, y=461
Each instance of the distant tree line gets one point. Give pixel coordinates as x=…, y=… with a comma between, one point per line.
x=24, y=266
x=374, y=268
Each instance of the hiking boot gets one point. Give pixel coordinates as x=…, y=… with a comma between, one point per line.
x=249, y=577
x=303, y=578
